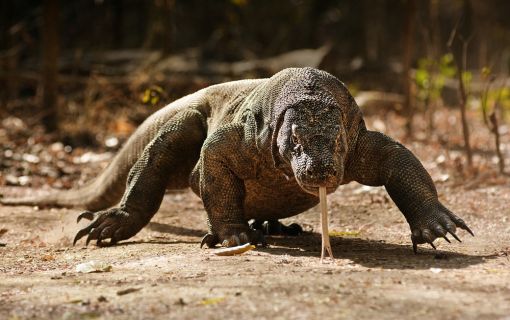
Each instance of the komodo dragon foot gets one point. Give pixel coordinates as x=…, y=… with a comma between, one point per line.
x=114, y=224
x=233, y=235
x=276, y=228
x=434, y=222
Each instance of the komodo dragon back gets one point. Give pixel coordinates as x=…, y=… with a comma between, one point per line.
x=107, y=189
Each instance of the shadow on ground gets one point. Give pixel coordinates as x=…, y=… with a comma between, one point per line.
x=375, y=253
x=166, y=228
x=365, y=252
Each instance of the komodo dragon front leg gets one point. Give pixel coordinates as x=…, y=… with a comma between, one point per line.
x=378, y=160
x=219, y=180
x=176, y=148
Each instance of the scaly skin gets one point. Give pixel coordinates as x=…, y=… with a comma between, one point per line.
x=380, y=161
x=258, y=149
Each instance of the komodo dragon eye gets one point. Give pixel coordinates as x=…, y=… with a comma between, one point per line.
x=294, y=138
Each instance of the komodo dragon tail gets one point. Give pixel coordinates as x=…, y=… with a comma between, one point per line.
x=107, y=189
x=97, y=194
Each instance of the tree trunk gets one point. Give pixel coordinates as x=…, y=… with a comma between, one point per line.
x=463, y=31
x=117, y=7
x=373, y=17
x=159, y=32
x=50, y=65
x=6, y=62
x=463, y=102
x=408, y=56
x=433, y=53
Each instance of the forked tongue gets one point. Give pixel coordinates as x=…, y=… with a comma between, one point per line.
x=326, y=245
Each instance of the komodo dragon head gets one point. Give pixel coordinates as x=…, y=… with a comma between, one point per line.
x=309, y=138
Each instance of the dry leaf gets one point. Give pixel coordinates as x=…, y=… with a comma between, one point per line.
x=232, y=251
x=93, y=266
x=212, y=301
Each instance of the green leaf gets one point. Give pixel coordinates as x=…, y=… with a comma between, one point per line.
x=486, y=72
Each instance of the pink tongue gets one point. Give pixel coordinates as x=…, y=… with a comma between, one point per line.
x=326, y=245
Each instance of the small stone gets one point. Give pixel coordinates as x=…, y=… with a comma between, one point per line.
x=436, y=270
x=111, y=142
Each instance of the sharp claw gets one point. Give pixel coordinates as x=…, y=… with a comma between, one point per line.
x=93, y=235
x=262, y=240
x=448, y=240
x=415, y=247
x=76, y=238
x=205, y=240
x=461, y=224
x=465, y=227
x=427, y=235
x=432, y=245
x=99, y=241
x=266, y=228
x=244, y=237
x=80, y=234
x=296, y=228
x=87, y=215
x=455, y=236
x=88, y=240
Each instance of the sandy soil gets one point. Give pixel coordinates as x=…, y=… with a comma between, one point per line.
x=375, y=273
x=162, y=272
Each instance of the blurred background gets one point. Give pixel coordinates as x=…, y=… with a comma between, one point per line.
x=77, y=77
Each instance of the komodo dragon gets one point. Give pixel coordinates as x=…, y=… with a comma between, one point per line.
x=254, y=149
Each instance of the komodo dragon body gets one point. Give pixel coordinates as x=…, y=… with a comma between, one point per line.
x=254, y=149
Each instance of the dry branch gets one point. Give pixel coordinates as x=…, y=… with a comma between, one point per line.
x=462, y=90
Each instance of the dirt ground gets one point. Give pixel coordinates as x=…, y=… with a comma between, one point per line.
x=162, y=272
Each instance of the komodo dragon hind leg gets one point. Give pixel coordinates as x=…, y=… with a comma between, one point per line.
x=276, y=228
x=175, y=148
